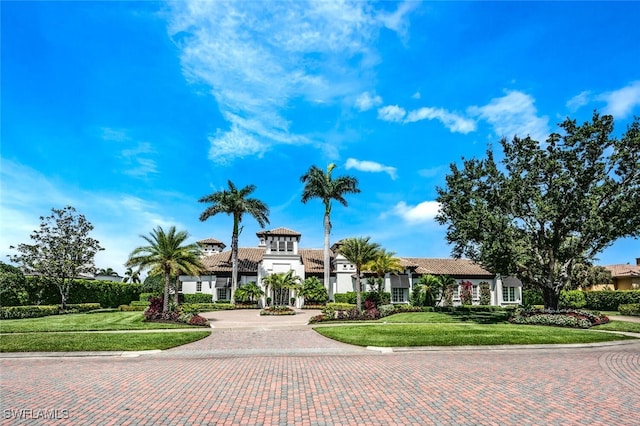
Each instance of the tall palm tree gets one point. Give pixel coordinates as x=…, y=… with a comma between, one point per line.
x=359, y=251
x=385, y=262
x=166, y=254
x=318, y=184
x=235, y=202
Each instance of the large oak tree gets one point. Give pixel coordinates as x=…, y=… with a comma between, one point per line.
x=546, y=208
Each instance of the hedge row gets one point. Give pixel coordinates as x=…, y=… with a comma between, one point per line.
x=36, y=311
x=41, y=291
x=379, y=298
x=608, y=300
x=629, y=309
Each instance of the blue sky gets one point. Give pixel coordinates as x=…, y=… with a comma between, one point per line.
x=132, y=111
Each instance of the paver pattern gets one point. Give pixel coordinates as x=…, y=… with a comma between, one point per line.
x=280, y=374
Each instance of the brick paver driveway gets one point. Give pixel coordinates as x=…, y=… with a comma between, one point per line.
x=287, y=374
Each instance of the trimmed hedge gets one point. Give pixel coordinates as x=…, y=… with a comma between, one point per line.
x=205, y=307
x=379, y=298
x=36, y=311
x=609, y=300
x=629, y=309
x=196, y=298
x=41, y=291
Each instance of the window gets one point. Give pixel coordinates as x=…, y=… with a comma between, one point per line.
x=199, y=286
x=510, y=294
x=290, y=246
x=222, y=294
x=399, y=295
x=474, y=292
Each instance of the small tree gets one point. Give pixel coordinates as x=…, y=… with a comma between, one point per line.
x=12, y=286
x=426, y=291
x=384, y=262
x=280, y=284
x=61, y=250
x=249, y=292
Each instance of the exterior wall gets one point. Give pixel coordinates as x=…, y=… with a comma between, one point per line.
x=627, y=283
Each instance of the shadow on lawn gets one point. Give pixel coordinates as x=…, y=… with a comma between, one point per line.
x=481, y=317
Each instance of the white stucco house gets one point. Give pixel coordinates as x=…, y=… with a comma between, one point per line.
x=279, y=250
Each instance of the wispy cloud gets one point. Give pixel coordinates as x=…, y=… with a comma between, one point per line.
x=454, y=122
x=416, y=95
x=621, y=102
x=423, y=212
x=513, y=114
x=367, y=100
x=258, y=57
x=579, y=100
x=137, y=162
x=371, y=166
x=392, y=113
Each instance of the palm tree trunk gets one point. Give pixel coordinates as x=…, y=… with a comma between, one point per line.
x=358, y=292
x=234, y=262
x=327, y=258
x=165, y=299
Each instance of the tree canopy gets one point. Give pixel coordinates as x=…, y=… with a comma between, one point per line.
x=546, y=207
x=62, y=249
x=359, y=251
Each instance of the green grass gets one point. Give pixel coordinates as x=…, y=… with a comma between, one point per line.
x=439, y=317
x=630, y=327
x=73, y=342
x=398, y=335
x=84, y=322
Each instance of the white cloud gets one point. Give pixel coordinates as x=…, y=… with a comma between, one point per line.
x=392, y=113
x=621, y=102
x=366, y=101
x=513, y=114
x=423, y=212
x=259, y=57
x=136, y=161
x=454, y=122
x=416, y=95
x=579, y=100
x=371, y=166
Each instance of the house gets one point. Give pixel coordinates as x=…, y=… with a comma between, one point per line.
x=279, y=250
x=623, y=277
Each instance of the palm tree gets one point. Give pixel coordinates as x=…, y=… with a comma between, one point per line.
x=426, y=290
x=280, y=282
x=385, y=262
x=235, y=202
x=359, y=251
x=319, y=184
x=132, y=276
x=109, y=272
x=165, y=254
x=249, y=292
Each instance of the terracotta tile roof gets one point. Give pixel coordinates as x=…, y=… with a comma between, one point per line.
x=211, y=241
x=280, y=232
x=623, y=270
x=453, y=267
x=313, y=261
x=248, y=260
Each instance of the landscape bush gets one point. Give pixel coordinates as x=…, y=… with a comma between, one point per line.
x=176, y=313
x=629, y=309
x=377, y=297
x=609, y=300
x=572, y=299
x=36, y=311
x=559, y=318
x=197, y=298
x=277, y=310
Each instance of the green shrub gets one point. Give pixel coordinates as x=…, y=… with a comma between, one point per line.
x=341, y=306
x=36, y=311
x=629, y=309
x=197, y=298
x=572, y=299
x=609, y=300
x=130, y=308
x=561, y=318
x=139, y=303
x=410, y=308
x=144, y=297
x=485, y=293
x=386, y=310
x=531, y=297
x=206, y=307
x=377, y=297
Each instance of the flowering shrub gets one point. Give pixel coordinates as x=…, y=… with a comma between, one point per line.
x=447, y=299
x=465, y=292
x=278, y=310
x=198, y=320
x=561, y=318
x=175, y=314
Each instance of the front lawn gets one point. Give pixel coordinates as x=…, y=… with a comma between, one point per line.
x=84, y=322
x=74, y=342
x=448, y=334
x=627, y=326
